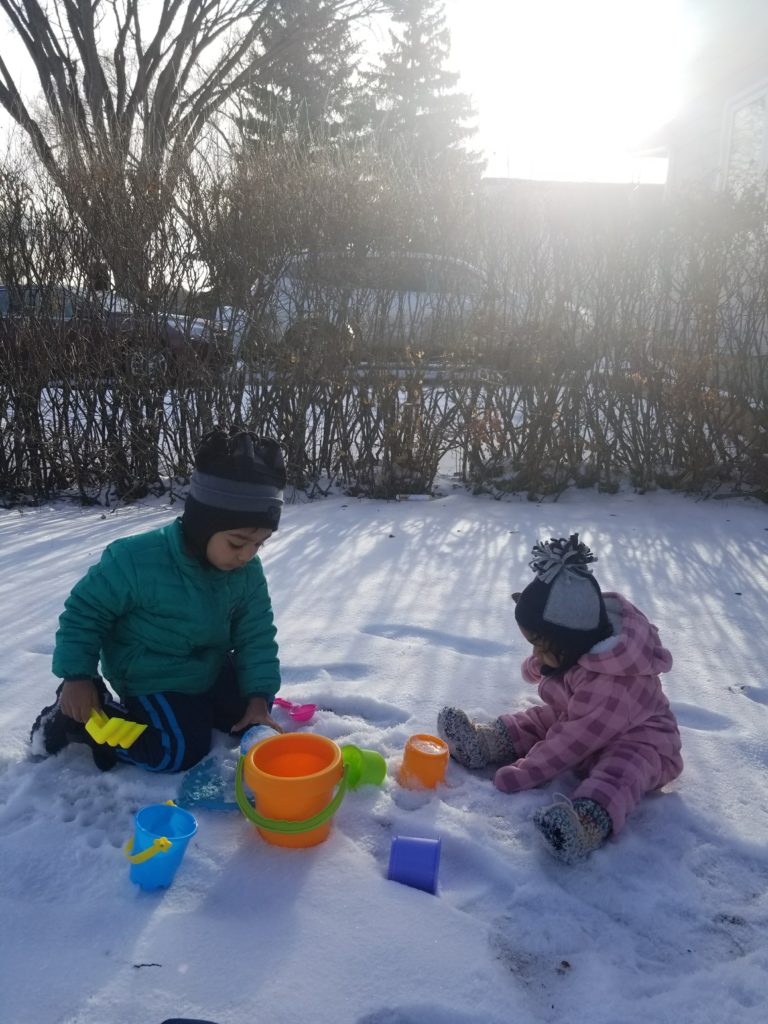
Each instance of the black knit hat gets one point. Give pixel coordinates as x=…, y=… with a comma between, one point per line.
x=238, y=481
x=564, y=603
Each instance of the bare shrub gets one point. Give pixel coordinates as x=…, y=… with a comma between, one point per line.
x=375, y=321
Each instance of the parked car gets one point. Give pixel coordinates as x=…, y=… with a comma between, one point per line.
x=373, y=303
x=392, y=300
x=102, y=330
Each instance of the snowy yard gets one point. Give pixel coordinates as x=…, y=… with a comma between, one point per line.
x=385, y=612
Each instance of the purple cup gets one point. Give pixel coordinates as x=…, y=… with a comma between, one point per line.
x=414, y=862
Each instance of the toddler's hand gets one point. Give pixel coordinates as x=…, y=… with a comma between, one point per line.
x=78, y=698
x=256, y=713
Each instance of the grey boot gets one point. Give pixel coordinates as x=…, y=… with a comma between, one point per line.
x=475, y=746
x=572, y=829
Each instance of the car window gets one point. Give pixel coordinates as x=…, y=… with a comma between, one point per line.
x=31, y=301
x=398, y=272
x=65, y=304
x=55, y=302
x=47, y=302
x=111, y=302
x=393, y=295
x=13, y=302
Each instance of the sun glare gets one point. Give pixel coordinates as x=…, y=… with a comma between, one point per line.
x=563, y=89
x=569, y=89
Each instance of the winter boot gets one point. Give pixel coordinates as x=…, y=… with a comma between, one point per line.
x=572, y=829
x=475, y=746
x=53, y=730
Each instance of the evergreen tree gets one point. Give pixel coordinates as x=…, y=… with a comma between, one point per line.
x=418, y=108
x=307, y=93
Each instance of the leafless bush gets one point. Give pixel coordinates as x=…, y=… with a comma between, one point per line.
x=375, y=321
x=632, y=343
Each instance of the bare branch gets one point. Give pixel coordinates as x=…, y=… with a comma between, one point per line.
x=11, y=100
x=128, y=106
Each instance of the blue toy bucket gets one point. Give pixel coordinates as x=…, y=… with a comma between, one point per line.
x=160, y=838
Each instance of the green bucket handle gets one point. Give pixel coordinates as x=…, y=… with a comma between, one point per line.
x=278, y=824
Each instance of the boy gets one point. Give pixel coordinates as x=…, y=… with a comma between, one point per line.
x=179, y=618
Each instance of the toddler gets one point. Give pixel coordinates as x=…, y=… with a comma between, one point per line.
x=596, y=660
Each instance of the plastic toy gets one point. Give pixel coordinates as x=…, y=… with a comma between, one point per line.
x=364, y=767
x=298, y=712
x=161, y=835
x=415, y=862
x=425, y=759
x=210, y=784
x=117, y=732
x=292, y=777
x=255, y=734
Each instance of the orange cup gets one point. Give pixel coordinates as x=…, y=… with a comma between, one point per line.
x=425, y=759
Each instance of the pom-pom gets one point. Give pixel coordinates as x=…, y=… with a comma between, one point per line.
x=561, y=554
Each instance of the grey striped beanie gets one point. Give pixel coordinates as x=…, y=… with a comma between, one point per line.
x=238, y=481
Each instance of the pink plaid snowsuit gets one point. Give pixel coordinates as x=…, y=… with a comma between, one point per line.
x=606, y=717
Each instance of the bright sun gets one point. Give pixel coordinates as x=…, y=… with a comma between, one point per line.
x=568, y=89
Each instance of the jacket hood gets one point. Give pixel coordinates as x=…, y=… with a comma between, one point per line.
x=633, y=650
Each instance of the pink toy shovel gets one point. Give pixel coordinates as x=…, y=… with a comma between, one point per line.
x=298, y=712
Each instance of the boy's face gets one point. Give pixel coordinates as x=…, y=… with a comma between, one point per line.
x=231, y=549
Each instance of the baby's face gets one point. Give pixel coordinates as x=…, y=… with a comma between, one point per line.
x=540, y=646
x=541, y=649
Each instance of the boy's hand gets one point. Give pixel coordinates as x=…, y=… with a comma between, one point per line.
x=257, y=713
x=78, y=698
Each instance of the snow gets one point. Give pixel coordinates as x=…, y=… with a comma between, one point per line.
x=386, y=611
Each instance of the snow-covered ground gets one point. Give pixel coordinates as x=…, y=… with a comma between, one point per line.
x=387, y=611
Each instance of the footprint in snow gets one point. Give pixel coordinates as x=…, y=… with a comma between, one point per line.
x=756, y=693
x=375, y=711
x=324, y=673
x=476, y=648
x=692, y=717
x=421, y=1014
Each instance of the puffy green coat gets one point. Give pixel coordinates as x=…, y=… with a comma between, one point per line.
x=159, y=620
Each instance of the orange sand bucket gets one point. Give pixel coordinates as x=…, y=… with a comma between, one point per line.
x=425, y=759
x=292, y=777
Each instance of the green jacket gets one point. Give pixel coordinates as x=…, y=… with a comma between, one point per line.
x=159, y=620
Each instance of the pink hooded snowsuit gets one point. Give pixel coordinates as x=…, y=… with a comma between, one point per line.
x=606, y=718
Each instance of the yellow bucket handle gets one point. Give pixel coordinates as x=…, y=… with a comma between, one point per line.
x=160, y=845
